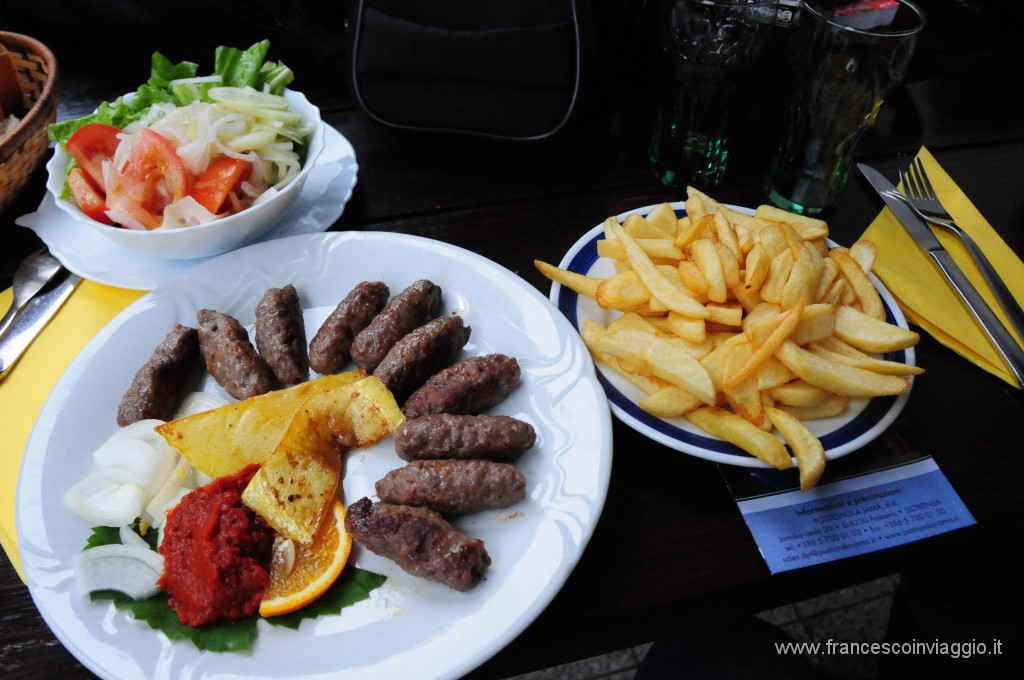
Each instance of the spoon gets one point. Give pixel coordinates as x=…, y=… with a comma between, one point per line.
x=30, y=277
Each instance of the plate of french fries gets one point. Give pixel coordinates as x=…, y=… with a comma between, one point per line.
x=744, y=337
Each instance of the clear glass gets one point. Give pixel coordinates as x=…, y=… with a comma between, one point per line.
x=706, y=46
x=840, y=77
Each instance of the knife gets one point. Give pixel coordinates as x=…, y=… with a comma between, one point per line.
x=32, y=320
x=1004, y=343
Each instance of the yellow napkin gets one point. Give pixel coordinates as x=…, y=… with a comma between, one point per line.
x=922, y=292
x=29, y=383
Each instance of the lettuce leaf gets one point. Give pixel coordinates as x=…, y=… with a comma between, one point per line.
x=237, y=68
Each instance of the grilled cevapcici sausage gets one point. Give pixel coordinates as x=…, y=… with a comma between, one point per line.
x=421, y=354
x=468, y=387
x=454, y=487
x=444, y=435
x=281, y=335
x=158, y=385
x=230, y=358
x=420, y=541
x=329, y=348
x=411, y=308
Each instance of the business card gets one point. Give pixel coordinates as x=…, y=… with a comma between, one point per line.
x=858, y=513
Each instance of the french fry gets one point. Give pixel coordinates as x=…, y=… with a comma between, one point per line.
x=670, y=402
x=831, y=407
x=867, y=296
x=817, y=323
x=776, y=339
x=756, y=267
x=840, y=379
x=727, y=314
x=778, y=273
x=809, y=228
x=869, y=334
x=836, y=350
x=865, y=253
x=727, y=235
x=584, y=285
x=799, y=393
x=639, y=226
x=672, y=296
x=807, y=448
x=802, y=282
x=747, y=436
x=622, y=291
x=705, y=254
x=664, y=218
x=730, y=265
x=744, y=397
x=693, y=278
x=661, y=357
x=692, y=330
x=655, y=248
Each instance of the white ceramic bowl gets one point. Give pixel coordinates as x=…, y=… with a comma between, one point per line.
x=202, y=240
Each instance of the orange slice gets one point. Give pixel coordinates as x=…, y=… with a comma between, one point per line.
x=296, y=583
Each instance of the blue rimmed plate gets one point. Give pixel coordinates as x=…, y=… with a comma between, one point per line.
x=863, y=420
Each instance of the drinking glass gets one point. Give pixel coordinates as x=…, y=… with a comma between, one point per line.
x=706, y=46
x=840, y=76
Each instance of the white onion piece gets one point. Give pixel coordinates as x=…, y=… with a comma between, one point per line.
x=109, y=497
x=168, y=495
x=150, y=463
x=129, y=537
x=197, y=402
x=185, y=212
x=129, y=569
x=143, y=430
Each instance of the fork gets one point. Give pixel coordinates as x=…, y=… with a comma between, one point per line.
x=923, y=199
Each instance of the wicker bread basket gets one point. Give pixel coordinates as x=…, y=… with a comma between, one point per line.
x=25, y=147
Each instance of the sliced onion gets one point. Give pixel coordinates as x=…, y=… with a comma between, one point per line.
x=129, y=569
x=150, y=463
x=109, y=497
x=186, y=212
x=129, y=537
x=174, y=487
x=197, y=402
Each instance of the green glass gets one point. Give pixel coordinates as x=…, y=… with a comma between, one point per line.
x=706, y=46
x=840, y=77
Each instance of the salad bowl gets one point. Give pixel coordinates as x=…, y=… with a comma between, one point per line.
x=210, y=238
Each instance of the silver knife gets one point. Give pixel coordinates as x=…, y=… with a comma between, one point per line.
x=1004, y=343
x=32, y=320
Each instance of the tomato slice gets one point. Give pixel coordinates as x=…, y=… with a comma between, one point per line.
x=154, y=162
x=220, y=179
x=152, y=177
x=92, y=144
x=88, y=198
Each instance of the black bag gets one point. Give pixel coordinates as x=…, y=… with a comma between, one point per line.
x=510, y=69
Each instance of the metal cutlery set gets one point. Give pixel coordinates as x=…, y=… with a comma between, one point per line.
x=41, y=286
x=920, y=207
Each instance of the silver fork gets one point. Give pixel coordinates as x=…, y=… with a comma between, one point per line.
x=922, y=198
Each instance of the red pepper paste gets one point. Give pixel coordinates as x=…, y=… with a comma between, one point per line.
x=216, y=553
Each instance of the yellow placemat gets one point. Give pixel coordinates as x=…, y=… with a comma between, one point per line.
x=29, y=383
x=922, y=292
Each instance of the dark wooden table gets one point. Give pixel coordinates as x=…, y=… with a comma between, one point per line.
x=671, y=547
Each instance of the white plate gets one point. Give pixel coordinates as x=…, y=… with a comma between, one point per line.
x=410, y=627
x=863, y=421
x=326, y=191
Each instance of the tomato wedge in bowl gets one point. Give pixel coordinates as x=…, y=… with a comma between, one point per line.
x=153, y=181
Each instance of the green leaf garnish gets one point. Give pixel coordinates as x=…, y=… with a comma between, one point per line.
x=354, y=585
